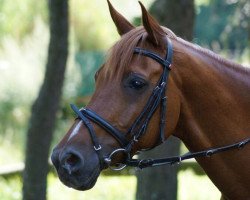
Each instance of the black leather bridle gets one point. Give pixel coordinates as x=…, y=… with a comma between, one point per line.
x=140, y=124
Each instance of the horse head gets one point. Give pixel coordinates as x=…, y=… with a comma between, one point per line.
x=129, y=108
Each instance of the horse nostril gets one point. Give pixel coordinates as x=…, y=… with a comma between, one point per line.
x=72, y=162
x=72, y=159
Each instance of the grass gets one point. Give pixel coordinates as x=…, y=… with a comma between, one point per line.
x=10, y=189
x=107, y=187
x=191, y=187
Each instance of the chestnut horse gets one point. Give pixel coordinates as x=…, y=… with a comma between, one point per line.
x=208, y=106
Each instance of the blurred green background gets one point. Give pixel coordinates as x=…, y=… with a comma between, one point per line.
x=24, y=36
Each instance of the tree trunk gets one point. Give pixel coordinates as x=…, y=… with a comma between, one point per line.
x=160, y=183
x=43, y=117
x=178, y=15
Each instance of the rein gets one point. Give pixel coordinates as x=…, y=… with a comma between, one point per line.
x=139, y=126
x=177, y=159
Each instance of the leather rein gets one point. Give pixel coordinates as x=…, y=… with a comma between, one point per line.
x=139, y=126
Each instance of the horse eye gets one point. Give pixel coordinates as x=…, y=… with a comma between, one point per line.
x=137, y=84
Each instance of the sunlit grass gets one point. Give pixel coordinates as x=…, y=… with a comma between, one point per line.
x=10, y=189
x=191, y=187
x=110, y=188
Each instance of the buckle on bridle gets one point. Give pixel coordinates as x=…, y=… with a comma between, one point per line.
x=241, y=144
x=209, y=153
x=135, y=139
x=98, y=148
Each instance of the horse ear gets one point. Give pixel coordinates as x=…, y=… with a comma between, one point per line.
x=122, y=25
x=156, y=34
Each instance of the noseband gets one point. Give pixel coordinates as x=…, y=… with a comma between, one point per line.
x=139, y=126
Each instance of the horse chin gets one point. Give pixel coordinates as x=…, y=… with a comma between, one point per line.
x=80, y=181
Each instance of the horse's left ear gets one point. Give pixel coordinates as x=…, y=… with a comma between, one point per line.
x=156, y=34
x=123, y=26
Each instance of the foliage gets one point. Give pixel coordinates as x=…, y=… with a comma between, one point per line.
x=21, y=73
x=89, y=62
x=92, y=25
x=17, y=18
x=226, y=21
x=21, y=68
x=92, y=30
x=220, y=24
x=199, y=3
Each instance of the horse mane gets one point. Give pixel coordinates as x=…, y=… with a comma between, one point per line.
x=211, y=54
x=120, y=55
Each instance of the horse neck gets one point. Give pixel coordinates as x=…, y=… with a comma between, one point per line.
x=215, y=104
x=215, y=99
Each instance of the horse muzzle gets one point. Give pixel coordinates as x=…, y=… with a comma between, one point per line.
x=72, y=171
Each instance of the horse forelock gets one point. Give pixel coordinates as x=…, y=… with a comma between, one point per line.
x=120, y=55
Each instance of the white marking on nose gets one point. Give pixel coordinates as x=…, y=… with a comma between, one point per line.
x=76, y=130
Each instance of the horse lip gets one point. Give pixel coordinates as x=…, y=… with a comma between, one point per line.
x=91, y=181
x=79, y=182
